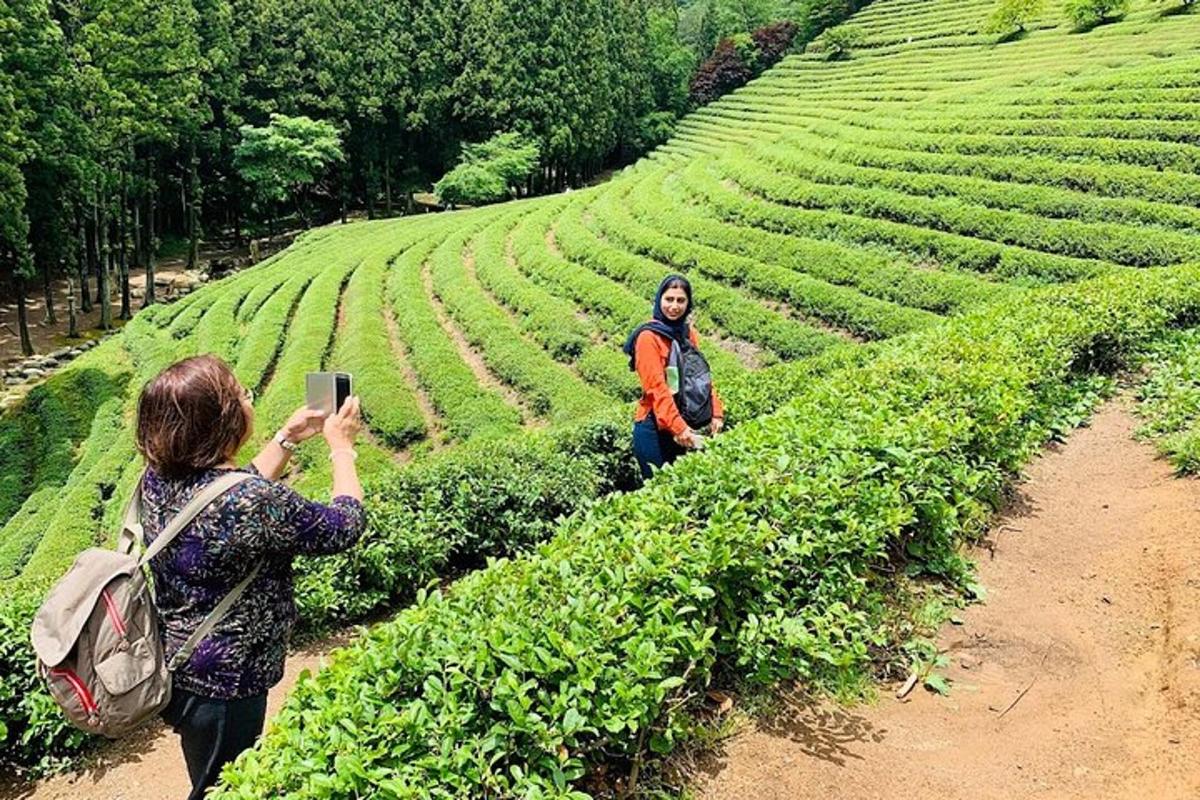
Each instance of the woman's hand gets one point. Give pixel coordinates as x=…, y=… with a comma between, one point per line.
x=718, y=425
x=686, y=439
x=340, y=429
x=305, y=423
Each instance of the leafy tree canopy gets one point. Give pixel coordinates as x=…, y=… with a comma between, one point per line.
x=287, y=155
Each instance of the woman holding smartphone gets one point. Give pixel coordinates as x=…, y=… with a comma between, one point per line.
x=191, y=421
x=661, y=352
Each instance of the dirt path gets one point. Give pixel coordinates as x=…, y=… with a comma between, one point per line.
x=150, y=764
x=1092, y=626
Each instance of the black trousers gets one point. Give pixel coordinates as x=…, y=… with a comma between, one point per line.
x=213, y=732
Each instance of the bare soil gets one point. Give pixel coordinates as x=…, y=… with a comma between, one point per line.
x=1079, y=678
x=150, y=763
x=469, y=354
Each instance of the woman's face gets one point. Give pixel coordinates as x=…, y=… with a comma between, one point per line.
x=674, y=303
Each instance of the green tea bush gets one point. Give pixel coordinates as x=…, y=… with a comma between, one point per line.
x=846, y=308
x=539, y=313
x=872, y=273
x=467, y=408
x=488, y=498
x=762, y=555
x=1170, y=399
x=1011, y=16
x=551, y=390
x=306, y=340
x=38, y=437
x=1087, y=14
x=364, y=349
x=733, y=311
x=950, y=250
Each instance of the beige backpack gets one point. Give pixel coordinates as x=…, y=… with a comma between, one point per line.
x=96, y=634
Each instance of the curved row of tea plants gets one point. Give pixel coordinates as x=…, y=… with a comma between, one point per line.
x=760, y=556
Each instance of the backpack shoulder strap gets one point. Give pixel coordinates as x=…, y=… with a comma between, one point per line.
x=132, y=533
x=212, y=620
x=194, y=506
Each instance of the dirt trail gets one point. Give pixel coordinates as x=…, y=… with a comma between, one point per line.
x=1092, y=628
x=150, y=764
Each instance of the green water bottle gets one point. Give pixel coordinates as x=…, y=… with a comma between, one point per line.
x=673, y=379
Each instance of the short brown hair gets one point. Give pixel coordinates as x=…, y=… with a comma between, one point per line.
x=190, y=416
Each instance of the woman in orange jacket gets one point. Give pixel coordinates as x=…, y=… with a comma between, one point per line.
x=660, y=432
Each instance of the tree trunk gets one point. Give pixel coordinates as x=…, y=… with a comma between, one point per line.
x=23, y=318
x=135, y=223
x=372, y=181
x=94, y=264
x=151, y=239
x=123, y=232
x=193, y=205
x=48, y=292
x=105, y=294
x=72, y=319
x=387, y=182
x=81, y=261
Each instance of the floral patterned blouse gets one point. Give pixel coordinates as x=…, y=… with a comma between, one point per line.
x=258, y=521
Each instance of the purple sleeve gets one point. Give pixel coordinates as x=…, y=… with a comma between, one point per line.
x=292, y=524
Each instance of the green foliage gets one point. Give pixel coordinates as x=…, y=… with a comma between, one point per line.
x=759, y=556
x=490, y=171
x=38, y=438
x=1170, y=399
x=1087, y=14
x=487, y=499
x=471, y=185
x=838, y=42
x=551, y=390
x=1011, y=16
x=363, y=349
x=286, y=156
x=467, y=408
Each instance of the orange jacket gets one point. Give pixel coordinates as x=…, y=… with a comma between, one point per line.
x=651, y=352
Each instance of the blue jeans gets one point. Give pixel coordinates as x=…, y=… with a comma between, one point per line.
x=653, y=448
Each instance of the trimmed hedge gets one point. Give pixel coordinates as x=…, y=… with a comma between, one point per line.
x=364, y=349
x=38, y=437
x=467, y=408
x=762, y=555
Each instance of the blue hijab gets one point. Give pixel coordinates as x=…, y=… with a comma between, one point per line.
x=661, y=324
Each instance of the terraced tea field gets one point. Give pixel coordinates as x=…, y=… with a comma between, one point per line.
x=922, y=248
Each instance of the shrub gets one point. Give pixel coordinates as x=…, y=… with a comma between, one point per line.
x=763, y=555
x=1170, y=399
x=1013, y=16
x=1087, y=14
x=837, y=43
x=489, y=171
x=38, y=437
x=725, y=70
x=773, y=41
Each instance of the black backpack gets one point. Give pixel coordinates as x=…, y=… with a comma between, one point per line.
x=693, y=393
x=695, y=397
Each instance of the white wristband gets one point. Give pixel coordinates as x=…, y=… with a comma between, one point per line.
x=283, y=442
x=353, y=455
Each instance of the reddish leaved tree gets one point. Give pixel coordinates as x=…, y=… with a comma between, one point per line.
x=773, y=41
x=737, y=59
x=725, y=70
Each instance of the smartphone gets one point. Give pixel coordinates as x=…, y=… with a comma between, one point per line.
x=327, y=391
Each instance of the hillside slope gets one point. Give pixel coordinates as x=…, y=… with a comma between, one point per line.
x=823, y=208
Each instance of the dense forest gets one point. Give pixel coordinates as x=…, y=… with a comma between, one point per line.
x=123, y=123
